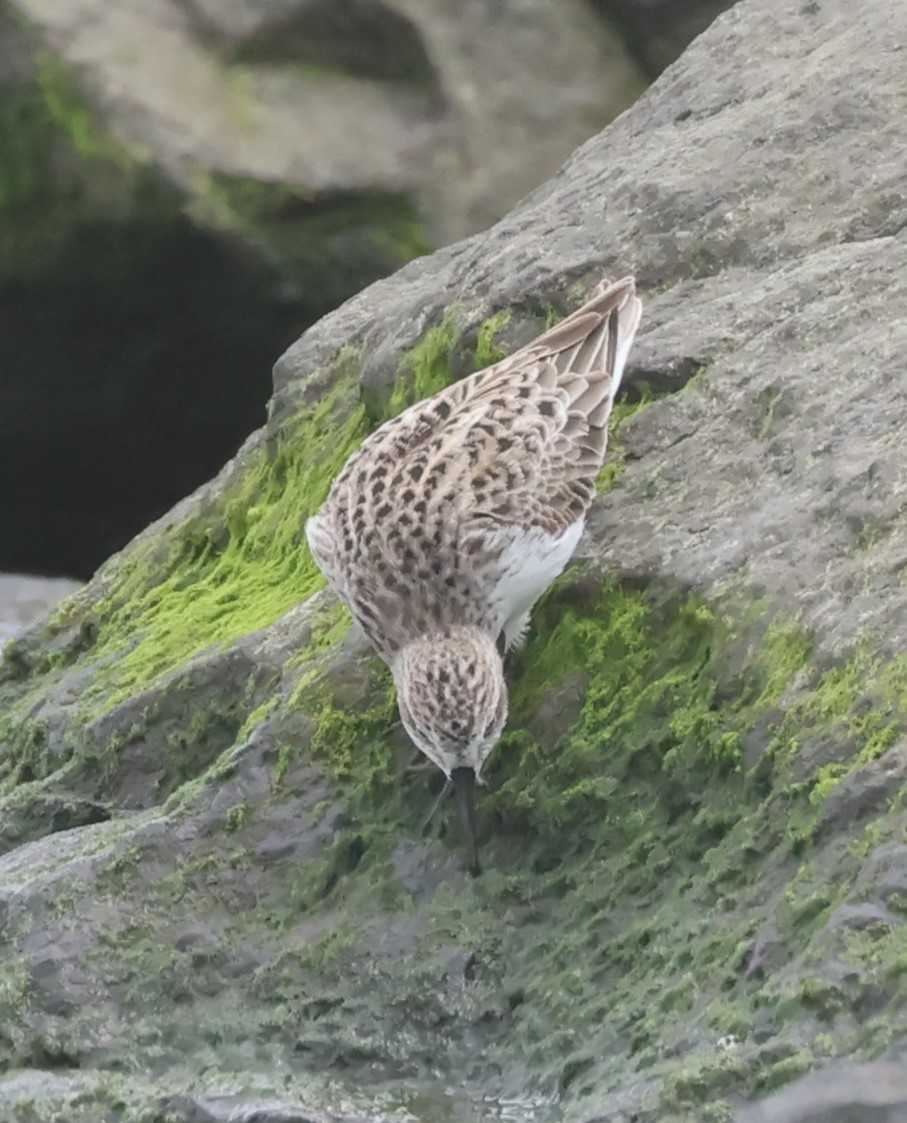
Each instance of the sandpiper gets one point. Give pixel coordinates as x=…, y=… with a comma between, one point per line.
x=450, y=521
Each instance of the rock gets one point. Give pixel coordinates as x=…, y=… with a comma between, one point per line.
x=400, y=99
x=870, y=1093
x=239, y=1109
x=24, y=598
x=693, y=832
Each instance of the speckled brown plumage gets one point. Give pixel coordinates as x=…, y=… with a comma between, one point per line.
x=450, y=520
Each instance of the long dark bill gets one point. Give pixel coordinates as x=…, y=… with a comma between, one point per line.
x=464, y=782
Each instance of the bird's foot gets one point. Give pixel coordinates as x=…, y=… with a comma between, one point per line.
x=417, y=768
x=438, y=804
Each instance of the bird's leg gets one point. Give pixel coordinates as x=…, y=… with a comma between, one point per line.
x=439, y=803
x=419, y=764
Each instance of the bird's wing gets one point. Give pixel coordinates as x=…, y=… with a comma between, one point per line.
x=525, y=439
x=322, y=540
x=516, y=446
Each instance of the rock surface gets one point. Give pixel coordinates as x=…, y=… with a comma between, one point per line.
x=695, y=886
x=24, y=598
x=872, y=1093
x=327, y=97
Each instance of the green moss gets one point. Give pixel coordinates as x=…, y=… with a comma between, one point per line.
x=488, y=351
x=637, y=785
x=768, y=400
x=256, y=717
x=861, y=703
x=719, y=1111
x=703, y=262
x=341, y=734
x=784, y=1071
x=15, y=989
x=698, y=1083
x=433, y=363
x=681, y=996
x=825, y=999
x=427, y=368
x=627, y=820
x=648, y=712
x=696, y=379
x=68, y=110
x=237, y=817
x=809, y=912
x=285, y=757
x=611, y=473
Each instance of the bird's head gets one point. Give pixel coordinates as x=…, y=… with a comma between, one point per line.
x=453, y=704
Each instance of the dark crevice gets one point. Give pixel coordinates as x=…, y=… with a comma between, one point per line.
x=350, y=852
x=643, y=382
x=655, y=32
x=131, y=373
x=362, y=38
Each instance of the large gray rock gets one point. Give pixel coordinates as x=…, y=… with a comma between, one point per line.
x=353, y=97
x=214, y=883
x=872, y=1093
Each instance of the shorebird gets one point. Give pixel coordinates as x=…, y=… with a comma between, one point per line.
x=451, y=519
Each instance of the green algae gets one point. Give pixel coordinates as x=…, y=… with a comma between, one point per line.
x=488, y=350
x=858, y=704
x=426, y=368
x=15, y=989
x=648, y=712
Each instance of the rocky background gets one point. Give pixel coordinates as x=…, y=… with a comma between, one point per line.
x=186, y=185
x=216, y=901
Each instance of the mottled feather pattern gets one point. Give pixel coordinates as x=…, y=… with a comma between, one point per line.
x=403, y=534
x=457, y=697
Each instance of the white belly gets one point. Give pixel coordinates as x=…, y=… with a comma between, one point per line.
x=528, y=564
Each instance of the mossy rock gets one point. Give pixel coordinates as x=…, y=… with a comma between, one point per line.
x=693, y=832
